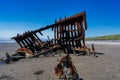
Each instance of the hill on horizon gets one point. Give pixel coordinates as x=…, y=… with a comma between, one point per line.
x=106, y=37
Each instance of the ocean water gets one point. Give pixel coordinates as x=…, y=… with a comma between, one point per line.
x=2, y=63
x=9, y=47
x=7, y=41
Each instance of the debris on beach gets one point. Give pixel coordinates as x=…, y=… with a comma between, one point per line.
x=24, y=52
x=65, y=70
x=82, y=51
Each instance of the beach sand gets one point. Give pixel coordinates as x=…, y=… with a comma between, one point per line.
x=104, y=67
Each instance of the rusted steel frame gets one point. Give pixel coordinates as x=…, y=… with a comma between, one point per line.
x=82, y=34
x=85, y=21
x=81, y=30
x=55, y=33
x=37, y=37
x=67, y=39
x=40, y=33
x=28, y=39
x=22, y=41
x=31, y=44
x=27, y=43
x=21, y=44
x=63, y=41
x=32, y=37
x=18, y=42
x=69, y=35
x=48, y=38
x=60, y=33
x=37, y=40
x=33, y=33
x=26, y=35
x=74, y=17
x=44, y=28
x=75, y=34
x=79, y=33
x=34, y=43
x=72, y=37
x=66, y=20
x=63, y=35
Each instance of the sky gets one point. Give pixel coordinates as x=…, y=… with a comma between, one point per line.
x=18, y=16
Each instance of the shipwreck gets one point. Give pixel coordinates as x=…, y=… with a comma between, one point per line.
x=69, y=36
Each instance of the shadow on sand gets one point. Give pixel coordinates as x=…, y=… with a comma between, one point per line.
x=97, y=54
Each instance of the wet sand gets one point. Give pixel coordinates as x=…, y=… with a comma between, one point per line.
x=104, y=67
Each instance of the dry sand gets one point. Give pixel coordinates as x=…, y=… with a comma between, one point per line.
x=104, y=67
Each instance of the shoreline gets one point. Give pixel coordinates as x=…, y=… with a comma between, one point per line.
x=105, y=66
x=104, y=42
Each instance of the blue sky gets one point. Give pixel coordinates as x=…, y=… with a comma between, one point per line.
x=18, y=16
